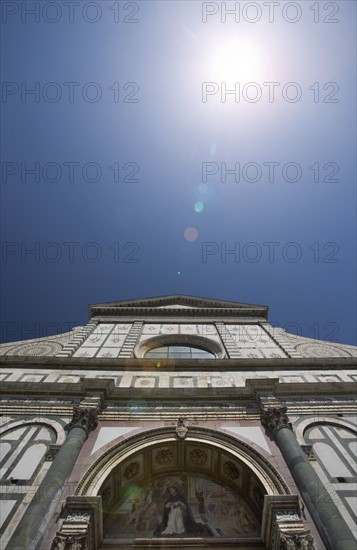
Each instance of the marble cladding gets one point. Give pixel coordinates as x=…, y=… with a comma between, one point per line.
x=105, y=341
x=183, y=379
x=252, y=341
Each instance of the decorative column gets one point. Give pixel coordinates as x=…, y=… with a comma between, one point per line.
x=34, y=523
x=333, y=529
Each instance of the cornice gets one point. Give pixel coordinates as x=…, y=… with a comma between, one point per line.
x=142, y=313
x=105, y=388
x=40, y=408
x=203, y=365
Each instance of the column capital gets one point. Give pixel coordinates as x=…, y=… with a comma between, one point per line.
x=276, y=418
x=75, y=542
x=296, y=541
x=85, y=418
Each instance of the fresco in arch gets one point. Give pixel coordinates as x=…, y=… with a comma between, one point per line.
x=180, y=506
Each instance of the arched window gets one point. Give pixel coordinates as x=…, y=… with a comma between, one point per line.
x=22, y=456
x=179, y=351
x=179, y=346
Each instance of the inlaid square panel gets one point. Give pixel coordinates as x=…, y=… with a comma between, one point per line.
x=145, y=382
x=95, y=340
x=151, y=329
x=251, y=353
x=182, y=382
x=103, y=328
x=114, y=340
x=273, y=352
x=188, y=329
x=169, y=329
x=121, y=328
x=109, y=353
x=84, y=351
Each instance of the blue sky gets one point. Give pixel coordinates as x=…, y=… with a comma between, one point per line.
x=128, y=135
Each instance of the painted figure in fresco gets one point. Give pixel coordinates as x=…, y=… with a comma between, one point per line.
x=142, y=512
x=175, y=510
x=245, y=522
x=201, y=503
x=177, y=518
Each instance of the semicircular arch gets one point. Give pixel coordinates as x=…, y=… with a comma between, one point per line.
x=238, y=453
x=39, y=421
x=307, y=423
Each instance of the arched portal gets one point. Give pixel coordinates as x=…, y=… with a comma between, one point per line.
x=204, y=485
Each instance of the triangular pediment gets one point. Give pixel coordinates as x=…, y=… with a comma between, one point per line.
x=177, y=303
x=178, y=300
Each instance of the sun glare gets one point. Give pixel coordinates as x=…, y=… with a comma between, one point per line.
x=240, y=61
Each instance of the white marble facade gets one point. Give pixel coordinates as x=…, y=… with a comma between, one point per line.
x=252, y=341
x=236, y=340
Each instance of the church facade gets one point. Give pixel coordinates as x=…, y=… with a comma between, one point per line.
x=178, y=422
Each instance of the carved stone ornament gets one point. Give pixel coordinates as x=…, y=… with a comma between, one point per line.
x=164, y=456
x=83, y=417
x=74, y=533
x=198, y=457
x=83, y=517
x=181, y=429
x=295, y=541
x=131, y=471
x=275, y=419
x=283, y=515
x=61, y=542
x=231, y=470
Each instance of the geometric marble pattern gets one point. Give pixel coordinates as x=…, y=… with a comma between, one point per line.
x=336, y=466
x=168, y=328
x=320, y=350
x=105, y=341
x=214, y=379
x=36, y=349
x=254, y=342
x=5, y=508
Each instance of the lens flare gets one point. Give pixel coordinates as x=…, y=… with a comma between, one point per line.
x=203, y=188
x=190, y=234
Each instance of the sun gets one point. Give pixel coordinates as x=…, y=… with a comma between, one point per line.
x=240, y=61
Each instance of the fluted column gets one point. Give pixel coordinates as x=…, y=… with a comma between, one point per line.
x=34, y=523
x=333, y=529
